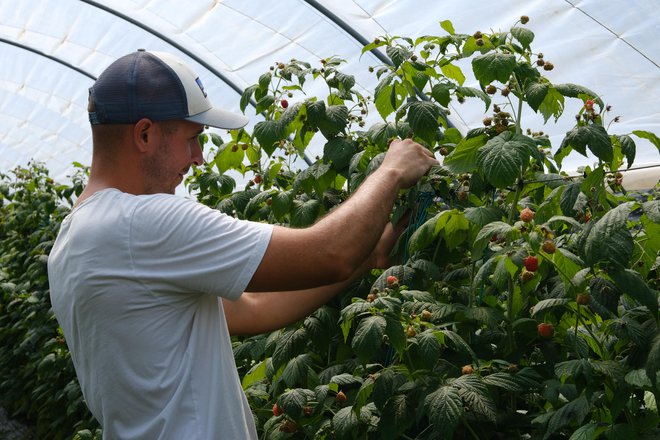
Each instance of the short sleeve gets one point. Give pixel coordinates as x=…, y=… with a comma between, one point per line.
x=181, y=246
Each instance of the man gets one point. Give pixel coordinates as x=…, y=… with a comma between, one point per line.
x=148, y=286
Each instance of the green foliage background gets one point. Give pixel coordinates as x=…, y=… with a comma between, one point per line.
x=445, y=343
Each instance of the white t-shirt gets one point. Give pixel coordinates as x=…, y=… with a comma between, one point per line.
x=135, y=283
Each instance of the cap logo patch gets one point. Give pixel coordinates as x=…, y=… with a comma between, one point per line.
x=201, y=86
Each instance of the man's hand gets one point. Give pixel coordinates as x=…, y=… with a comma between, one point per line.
x=409, y=159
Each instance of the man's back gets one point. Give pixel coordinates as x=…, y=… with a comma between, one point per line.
x=134, y=291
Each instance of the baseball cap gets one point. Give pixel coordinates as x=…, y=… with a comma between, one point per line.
x=158, y=86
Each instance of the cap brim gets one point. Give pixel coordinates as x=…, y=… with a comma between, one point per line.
x=219, y=118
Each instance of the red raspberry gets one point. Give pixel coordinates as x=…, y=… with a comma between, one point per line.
x=531, y=263
x=392, y=281
x=284, y=103
x=527, y=215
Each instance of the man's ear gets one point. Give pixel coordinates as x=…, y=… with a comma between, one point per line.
x=144, y=135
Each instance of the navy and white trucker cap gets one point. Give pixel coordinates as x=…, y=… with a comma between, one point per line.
x=158, y=86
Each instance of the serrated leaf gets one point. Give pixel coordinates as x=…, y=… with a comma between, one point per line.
x=305, y=212
x=585, y=432
x=628, y=148
x=593, y=136
x=345, y=423
x=397, y=416
x=380, y=133
x=369, y=337
x=573, y=412
x=549, y=303
x=493, y=66
x=397, y=54
x=503, y=158
x=653, y=360
x=482, y=215
x=609, y=239
x=447, y=26
x=464, y=157
x=453, y=72
x=295, y=372
x=494, y=229
x=264, y=103
x=655, y=140
x=288, y=345
x=475, y=93
x=574, y=91
x=505, y=381
x=282, y=202
x=423, y=119
x=268, y=134
x=339, y=150
x=444, y=408
x=425, y=234
x=246, y=96
x=523, y=35
x=293, y=401
x=441, y=92
x=255, y=374
x=553, y=105
x=632, y=283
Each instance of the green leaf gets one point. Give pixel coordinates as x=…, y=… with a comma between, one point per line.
x=464, y=157
x=425, y=234
x=255, y=374
x=447, y=26
x=494, y=229
x=423, y=119
x=523, y=35
x=550, y=303
x=380, y=134
x=246, y=96
x=653, y=360
x=493, y=66
x=453, y=72
x=502, y=159
x=293, y=401
x=345, y=423
x=444, y=408
x=506, y=381
x=575, y=91
x=288, y=345
x=482, y=215
x=264, y=103
x=339, y=150
x=628, y=148
x=573, y=412
x=585, y=432
x=655, y=140
x=282, y=203
x=441, y=92
x=394, y=331
x=396, y=417
x=593, y=136
x=553, y=105
x=304, y=213
x=369, y=337
x=268, y=134
x=632, y=283
x=296, y=370
x=397, y=54
x=475, y=93
x=335, y=120
x=609, y=239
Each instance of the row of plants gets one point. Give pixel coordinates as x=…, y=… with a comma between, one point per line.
x=522, y=303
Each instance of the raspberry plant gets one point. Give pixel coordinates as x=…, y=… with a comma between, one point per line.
x=459, y=338
x=468, y=343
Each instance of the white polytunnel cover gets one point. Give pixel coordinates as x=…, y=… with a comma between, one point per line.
x=52, y=50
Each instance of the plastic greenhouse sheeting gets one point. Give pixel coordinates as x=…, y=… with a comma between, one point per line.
x=51, y=51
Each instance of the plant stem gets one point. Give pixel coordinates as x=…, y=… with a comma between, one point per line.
x=509, y=308
x=514, y=204
x=469, y=428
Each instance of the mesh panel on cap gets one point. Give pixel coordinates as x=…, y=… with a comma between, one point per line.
x=137, y=86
